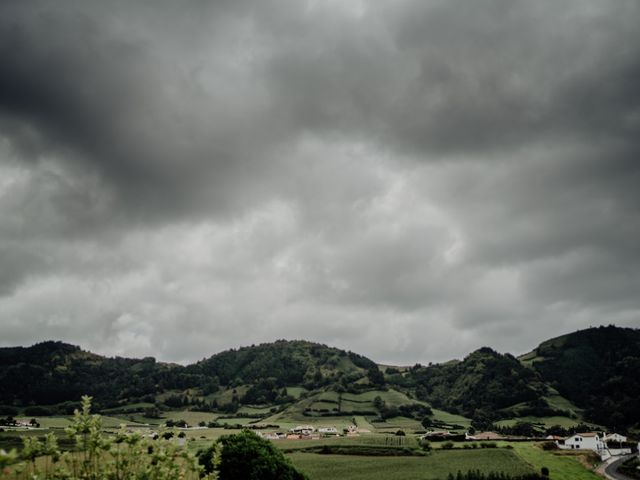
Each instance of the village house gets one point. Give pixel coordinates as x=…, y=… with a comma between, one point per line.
x=614, y=438
x=303, y=430
x=582, y=441
x=606, y=446
x=328, y=430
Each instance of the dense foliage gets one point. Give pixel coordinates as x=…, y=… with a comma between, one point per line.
x=598, y=369
x=54, y=372
x=285, y=362
x=483, y=383
x=247, y=456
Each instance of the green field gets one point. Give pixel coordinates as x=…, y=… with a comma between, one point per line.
x=561, y=467
x=64, y=421
x=192, y=418
x=295, y=392
x=451, y=418
x=546, y=421
x=435, y=466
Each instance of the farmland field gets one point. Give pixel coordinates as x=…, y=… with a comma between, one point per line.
x=435, y=466
x=546, y=421
x=561, y=467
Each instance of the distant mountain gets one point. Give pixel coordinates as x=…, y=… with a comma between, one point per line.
x=592, y=374
x=598, y=369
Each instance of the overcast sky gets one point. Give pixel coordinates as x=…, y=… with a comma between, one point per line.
x=407, y=179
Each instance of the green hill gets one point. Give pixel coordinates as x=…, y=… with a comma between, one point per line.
x=597, y=369
x=54, y=372
x=587, y=375
x=479, y=386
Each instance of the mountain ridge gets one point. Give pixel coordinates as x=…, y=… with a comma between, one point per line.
x=555, y=379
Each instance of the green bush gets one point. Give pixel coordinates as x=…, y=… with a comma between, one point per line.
x=246, y=456
x=101, y=457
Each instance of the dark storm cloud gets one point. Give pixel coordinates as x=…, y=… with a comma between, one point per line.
x=409, y=179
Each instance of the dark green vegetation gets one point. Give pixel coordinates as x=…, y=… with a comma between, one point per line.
x=479, y=386
x=54, y=372
x=597, y=369
x=246, y=456
x=587, y=376
x=631, y=468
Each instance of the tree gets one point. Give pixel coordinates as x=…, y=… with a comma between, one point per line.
x=375, y=376
x=246, y=456
x=426, y=422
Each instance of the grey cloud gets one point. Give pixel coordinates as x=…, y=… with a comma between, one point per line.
x=406, y=179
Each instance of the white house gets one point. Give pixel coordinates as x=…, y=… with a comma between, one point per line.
x=582, y=441
x=303, y=429
x=328, y=430
x=614, y=438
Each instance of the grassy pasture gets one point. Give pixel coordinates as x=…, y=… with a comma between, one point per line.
x=435, y=466
x=296, y=392
x=561, y=466
x=364, y=440
x=192, y=418
x=64, y=421
x=398, y=423
x=450, y=418
x=543, y=421
x=253, y=410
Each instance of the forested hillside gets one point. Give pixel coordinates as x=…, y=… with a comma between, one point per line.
x=54, y=372
x=591, y=374
x=479, y=386
x=598, y=369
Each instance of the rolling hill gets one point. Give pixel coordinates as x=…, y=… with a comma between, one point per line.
x=589, y=375
x=597, y=369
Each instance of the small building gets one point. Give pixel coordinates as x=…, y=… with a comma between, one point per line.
x=583, y=441
x=328, y=430
x=614, y=438
x=303, y=429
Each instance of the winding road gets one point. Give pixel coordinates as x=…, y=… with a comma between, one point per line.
x=611, y=470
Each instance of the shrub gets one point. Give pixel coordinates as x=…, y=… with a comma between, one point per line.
x=98, y=456
x=37, y=412
x=247, y=456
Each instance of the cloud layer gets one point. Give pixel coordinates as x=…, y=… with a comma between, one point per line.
x=406, y=179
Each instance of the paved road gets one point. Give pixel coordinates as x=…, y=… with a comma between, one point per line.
x=611, y=470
